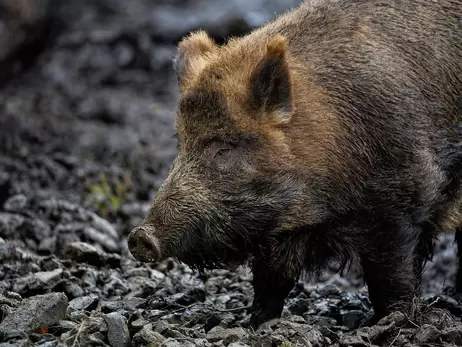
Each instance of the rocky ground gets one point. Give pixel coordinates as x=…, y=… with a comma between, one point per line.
x=87, y=103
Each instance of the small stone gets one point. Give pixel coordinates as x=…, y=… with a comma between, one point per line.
x=238, y=344
x=100, y=238
x=133, y=303
x=453, y=335
x=73, y=290
x=47, y=245
x=49, y=276
x=278, y=340
x=353, y=341
x=89, y=278
x=16, y=203
x=118, y=334
x=227, y=335
x=35, y=312
x=136, y=324
x=9, y=223
x=353, y=319
x=18, y=343
x=111, y=306
x=66, y=325
x=296, y=319
x=427, y=333
x=78, y=316
x=147, y=336
x=172, y=343
x=104, y=226
x=84, y=253
x=97, y=339
x=396, y=317
x=84, y=303
x=161, y=326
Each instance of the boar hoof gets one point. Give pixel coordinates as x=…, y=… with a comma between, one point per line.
x=261, y=316
x=143, y=245
x=370, y=320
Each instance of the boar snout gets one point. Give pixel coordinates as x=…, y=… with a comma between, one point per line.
x=143, y=245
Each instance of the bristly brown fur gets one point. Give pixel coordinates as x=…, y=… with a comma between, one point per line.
x=332, y=132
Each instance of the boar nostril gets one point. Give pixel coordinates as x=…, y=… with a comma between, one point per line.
x=143, y=244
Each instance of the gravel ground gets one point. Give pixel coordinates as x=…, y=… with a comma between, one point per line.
x=87, y=103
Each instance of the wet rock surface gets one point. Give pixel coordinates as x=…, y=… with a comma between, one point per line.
x=86, y=114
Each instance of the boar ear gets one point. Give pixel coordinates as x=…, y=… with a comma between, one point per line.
x=271, y=83
x=191, y=55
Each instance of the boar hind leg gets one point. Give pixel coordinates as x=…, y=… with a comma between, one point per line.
x=458, y=239
x=389, y=272
x=270, y=290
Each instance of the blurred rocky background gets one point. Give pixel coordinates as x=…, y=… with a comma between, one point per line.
x=87, y=102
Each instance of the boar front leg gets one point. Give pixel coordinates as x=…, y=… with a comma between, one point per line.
x=271, y=289
x=388, y=268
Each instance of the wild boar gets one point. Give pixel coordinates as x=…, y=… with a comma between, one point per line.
x=332, y=132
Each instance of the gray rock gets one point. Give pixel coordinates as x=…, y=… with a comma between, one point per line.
x=9, y=223
x=66, y=325
x=147, y=336
x=18, y=343
x=352, y=319
x=118, y=333
x=227, y=335
x=84, y=253
x=101, y=238
x=35, y=312
x=15, y=203
x=173, y=343
x=38, y=282
x=49, y=276
x=427, y=333
x=353, y=341
x=84, y=303
x=103, y=225
x=453, y=335
x=396, y=317
x=238, y=344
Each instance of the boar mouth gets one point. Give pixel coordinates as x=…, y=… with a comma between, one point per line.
x=215, y=248
x=206, y=259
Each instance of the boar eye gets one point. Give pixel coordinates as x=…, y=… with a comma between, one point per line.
x=219, y=149
x=222, y=151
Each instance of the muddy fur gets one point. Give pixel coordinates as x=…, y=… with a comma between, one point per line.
x=333, y=132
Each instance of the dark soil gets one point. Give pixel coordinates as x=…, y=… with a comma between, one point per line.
x=87, y=102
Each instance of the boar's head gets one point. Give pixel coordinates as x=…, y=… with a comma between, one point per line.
x=231, y=182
